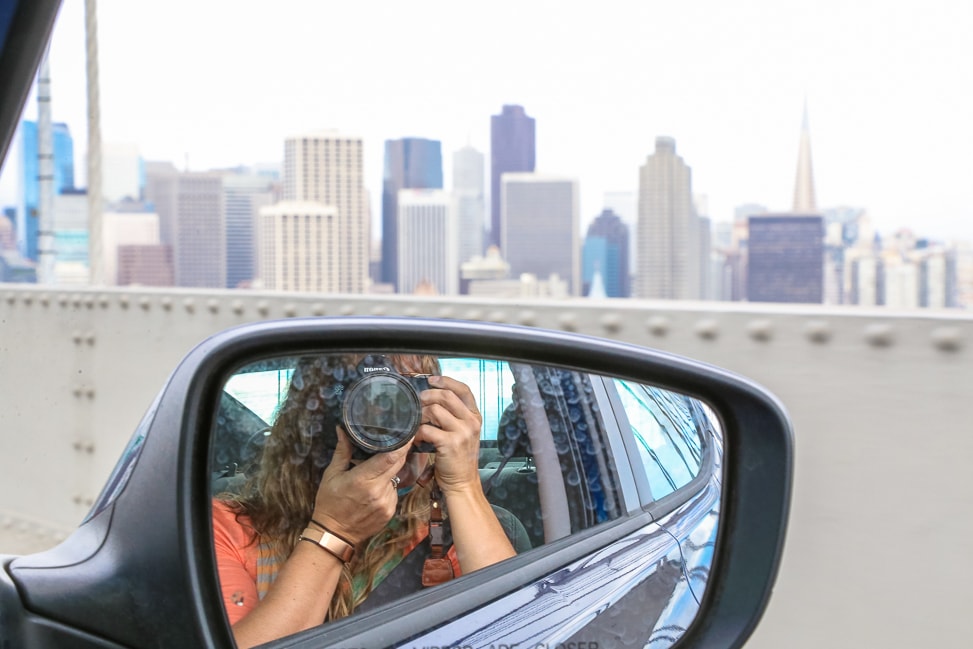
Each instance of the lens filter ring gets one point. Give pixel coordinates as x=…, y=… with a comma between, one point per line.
x=381, y=412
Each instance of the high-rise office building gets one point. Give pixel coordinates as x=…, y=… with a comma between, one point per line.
x=327, y=168
x=668, y=228
x=605, y=252
x=512, y=149
x=27, y=225
x=786, y=258
x=540, y=226
x=244, y=194
x=410, y=163
x=470, y=201
x=300, y=247
x=192, y=220
x=428, y=242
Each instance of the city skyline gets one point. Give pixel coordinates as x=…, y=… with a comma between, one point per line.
x=729, y=84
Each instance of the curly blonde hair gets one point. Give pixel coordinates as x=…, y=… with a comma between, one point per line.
x=279, y=497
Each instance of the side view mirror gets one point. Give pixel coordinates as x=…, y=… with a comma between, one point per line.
x=623, y=496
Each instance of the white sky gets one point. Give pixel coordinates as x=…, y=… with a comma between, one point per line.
x=889, y=87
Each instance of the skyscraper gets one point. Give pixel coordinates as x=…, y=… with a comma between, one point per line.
x=327, y=168
x=470, y=201
x=512, y=149
x=27, y=222
x=427, y=252
x=410, y=163
x=244, y=194
x=668, y=228
x=804, y=199
x=300, y=248
x=786, y=258
x=540, y=225
x=606, y=249
x=192, y=220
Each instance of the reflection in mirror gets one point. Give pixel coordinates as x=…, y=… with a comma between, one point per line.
x=343, y=482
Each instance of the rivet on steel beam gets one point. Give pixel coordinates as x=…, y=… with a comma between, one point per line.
x=497, y=316
x=76, y=337
x=28, y=300
x=90, y=393
x=445, y=312
x=44, y=299
x=213, y=305
x=77, y=391
x=411, y=311
x=947, y=339
x=144, y=302
x=76, y=300
x=123, y=301
x=879, y=334
x=90, y=337
x=62, y=299
x=88, y=447
x=166, y=303
x=528, y=318
x=568, y=321
x=76, y=499
x=11, y=298
x=474, y=314
x=347, y=309
x=237, y=306
x=263, y=308
x=760, y=330
x=611, y=322
x=77, y=445
x=378, y=309
x=189, y=304
x=707, y=328
x=817, y=331
x=89, y=301
x=290, y=310
x=103, y=301
x=317, y=309
x=657, y=325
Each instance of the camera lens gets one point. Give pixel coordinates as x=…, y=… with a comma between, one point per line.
x=381, y=412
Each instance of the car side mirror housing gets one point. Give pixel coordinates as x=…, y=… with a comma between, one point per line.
x=142, y=569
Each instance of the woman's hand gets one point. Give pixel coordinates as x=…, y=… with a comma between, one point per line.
x=356, y=502
x=452, y=423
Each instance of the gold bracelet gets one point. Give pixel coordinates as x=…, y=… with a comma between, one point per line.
x=330, y=543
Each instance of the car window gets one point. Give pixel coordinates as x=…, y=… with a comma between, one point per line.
x=666, y=435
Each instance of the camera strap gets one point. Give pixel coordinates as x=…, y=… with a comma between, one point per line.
x=438, y=568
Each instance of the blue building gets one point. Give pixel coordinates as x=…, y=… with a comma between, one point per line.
x=410, y=163
x=786, y=258
x=27, y=217
x=512, y=149
x=605, y=251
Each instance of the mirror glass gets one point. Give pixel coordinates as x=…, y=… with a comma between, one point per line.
x=348, y=481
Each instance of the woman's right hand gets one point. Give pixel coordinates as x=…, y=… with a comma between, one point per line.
x=356, y=502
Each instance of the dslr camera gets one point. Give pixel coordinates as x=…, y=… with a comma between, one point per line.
x=380, y=407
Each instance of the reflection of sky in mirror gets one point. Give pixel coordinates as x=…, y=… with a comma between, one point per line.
x=220, y=83
x=261, y=392
x=490, y=382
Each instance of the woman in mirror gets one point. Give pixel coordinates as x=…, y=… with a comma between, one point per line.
x=321, y=530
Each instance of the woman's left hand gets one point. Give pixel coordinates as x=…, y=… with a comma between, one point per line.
x=452, y=423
